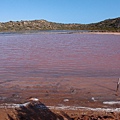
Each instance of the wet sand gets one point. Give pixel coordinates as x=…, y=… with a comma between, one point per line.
x=86, y=92
x=65, y=91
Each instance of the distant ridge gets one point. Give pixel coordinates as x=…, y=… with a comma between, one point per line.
x=16, y=26
x=107, y=25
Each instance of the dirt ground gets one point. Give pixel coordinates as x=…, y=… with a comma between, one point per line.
x=31, y=112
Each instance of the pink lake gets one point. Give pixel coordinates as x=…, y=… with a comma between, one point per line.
x=58, y=55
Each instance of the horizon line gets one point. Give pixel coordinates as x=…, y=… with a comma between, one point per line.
x=54, y=21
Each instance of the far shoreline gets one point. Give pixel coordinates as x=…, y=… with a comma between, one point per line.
x=59, y=32
x=110, y=33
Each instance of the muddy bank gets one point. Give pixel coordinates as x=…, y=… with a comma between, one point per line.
x=79, y=98
x=39, y=111
x=79, y=91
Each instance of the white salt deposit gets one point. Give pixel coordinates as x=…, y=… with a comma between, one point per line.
x=66, y=100
x=6, y=105
x=111, y=102
x=85, y=108
x=34, y=99
x=62, y=107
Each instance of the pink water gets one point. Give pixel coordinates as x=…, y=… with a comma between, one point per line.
x=58, y=55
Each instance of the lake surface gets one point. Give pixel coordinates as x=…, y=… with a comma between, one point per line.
x=58, y=55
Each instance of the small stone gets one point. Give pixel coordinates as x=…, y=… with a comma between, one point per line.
x=66, y=100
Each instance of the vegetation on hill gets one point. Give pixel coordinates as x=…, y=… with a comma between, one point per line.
x=15, y=26
x=107, y=25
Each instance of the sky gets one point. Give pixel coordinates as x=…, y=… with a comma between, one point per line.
x=60, y=11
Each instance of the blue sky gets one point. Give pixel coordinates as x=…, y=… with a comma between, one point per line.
x=62, y=11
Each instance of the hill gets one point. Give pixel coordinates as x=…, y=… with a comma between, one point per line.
x=15, y=26
x=107, y=25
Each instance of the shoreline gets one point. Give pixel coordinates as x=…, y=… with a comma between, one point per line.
x=59, y=32
x=109, y=33
x=62, y=112
x=72, y=91
x=62, y=107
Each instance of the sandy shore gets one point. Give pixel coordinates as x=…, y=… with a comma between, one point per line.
x=38, y=111
x=62, y=92
x=107, y=33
